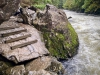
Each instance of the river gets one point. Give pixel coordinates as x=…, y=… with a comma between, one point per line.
x=87, y=61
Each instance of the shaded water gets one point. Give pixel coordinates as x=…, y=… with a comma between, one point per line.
x=87, y=61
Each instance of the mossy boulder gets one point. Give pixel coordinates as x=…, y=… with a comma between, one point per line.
x=59, y=36
x=61, y=45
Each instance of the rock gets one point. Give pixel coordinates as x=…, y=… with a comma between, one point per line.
x=17, y=70
x=7, y=8
x=55, y=66
x=33, y=8
x=59, y=36
x=47, y=63
x=41, y=72
x=53, y=18
x=24, y=53
x=28, y=15
x=2, y=3
x=3, y=67
x=69, y=17
x=40, y=63
x=26, y=3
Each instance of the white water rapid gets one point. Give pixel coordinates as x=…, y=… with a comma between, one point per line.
x=87, y=61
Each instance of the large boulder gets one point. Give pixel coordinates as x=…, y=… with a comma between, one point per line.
x=30, y=60
x=32, y=46
x=59, y=36
x=7, y=8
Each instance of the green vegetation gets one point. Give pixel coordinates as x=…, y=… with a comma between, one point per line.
x=87, y=6
x=92, y=6
x=73, y=4
x=61, y=45
x=61, y=41
x=42, y=3
x=74, y=39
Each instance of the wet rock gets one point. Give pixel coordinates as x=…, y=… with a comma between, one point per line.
x=7, y=8
x=17, y=70
x=41, y=72
x=55, y=66
x=59, y=36
x=69, y=17
x=47, y=63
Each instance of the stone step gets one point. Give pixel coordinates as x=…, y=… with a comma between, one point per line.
x=12, y=32
x=13, y=39
x=23, y=44
x=7, y=28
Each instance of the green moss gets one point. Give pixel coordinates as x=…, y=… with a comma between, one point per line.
x=41, y=6
x=54, y=44
x=72, y=46
x=61, y=45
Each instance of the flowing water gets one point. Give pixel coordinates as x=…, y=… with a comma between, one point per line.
x=87, y=61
